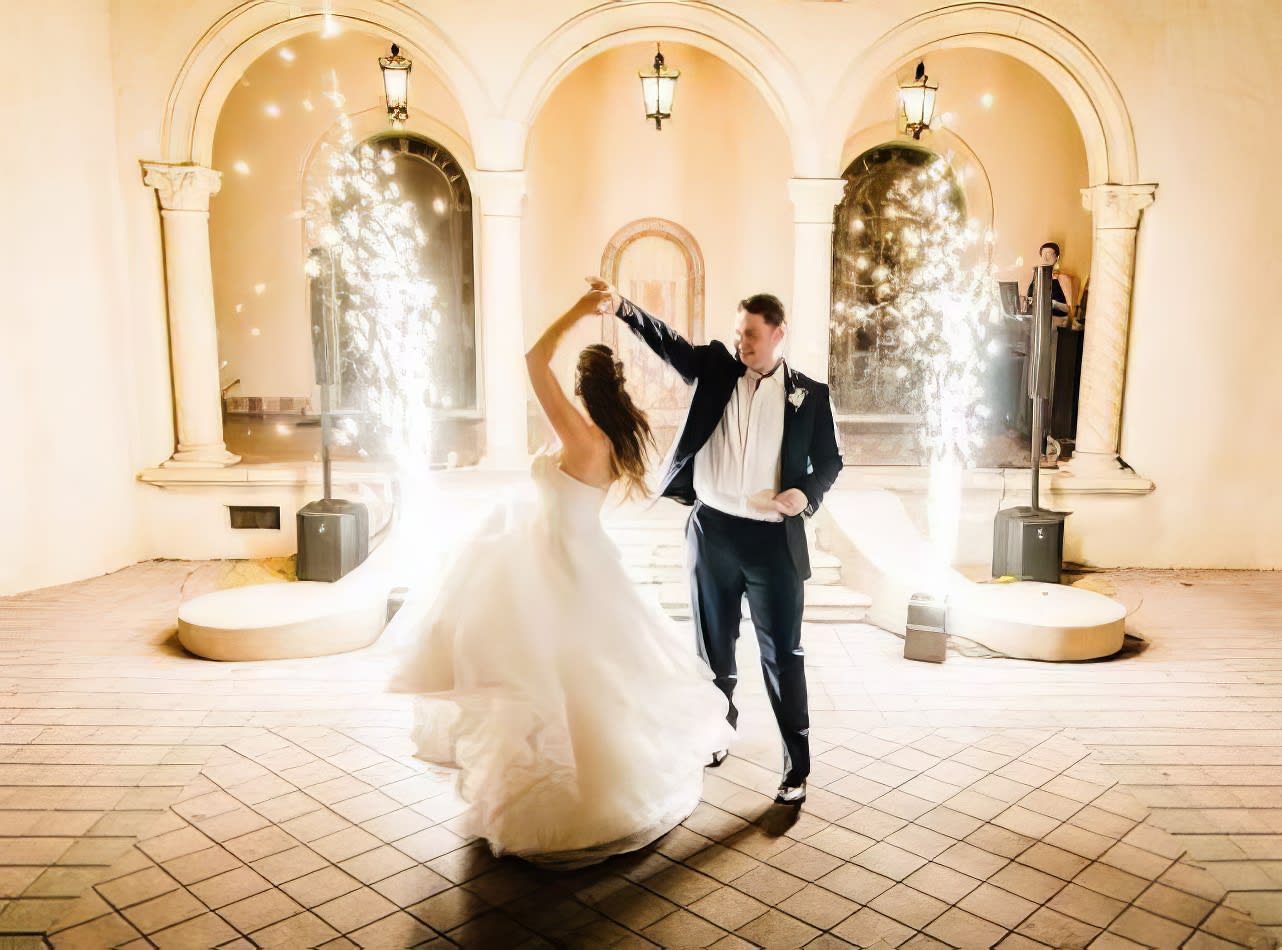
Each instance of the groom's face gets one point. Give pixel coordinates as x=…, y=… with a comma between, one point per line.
x=759, y=343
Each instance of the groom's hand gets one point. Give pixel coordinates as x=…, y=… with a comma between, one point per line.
x=603, y=286
x=593, y=302
x=791, y=502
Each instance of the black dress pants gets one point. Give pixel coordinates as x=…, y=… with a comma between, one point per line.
x=731, y=556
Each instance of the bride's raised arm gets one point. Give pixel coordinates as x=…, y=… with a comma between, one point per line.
x=570, y=425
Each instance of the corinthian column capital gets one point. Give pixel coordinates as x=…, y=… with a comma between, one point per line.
x=1118, y=206
x=182, y=187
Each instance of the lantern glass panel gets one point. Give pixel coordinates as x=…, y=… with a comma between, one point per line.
x=396, y=84
x=927, y=105
x=650, y=93
x=667, y=92
x=910, y=98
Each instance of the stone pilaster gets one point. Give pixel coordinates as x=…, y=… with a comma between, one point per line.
x=184, y=192
x=814, y=202
x=1116, y=210
x=500, y=198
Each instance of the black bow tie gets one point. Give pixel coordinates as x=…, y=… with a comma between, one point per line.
x=743, y=370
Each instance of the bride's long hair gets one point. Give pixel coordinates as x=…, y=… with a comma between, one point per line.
x=600, y=381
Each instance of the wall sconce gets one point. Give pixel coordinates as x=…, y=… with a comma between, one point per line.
x=396, y=86
x=917, y=102
x=658, y=87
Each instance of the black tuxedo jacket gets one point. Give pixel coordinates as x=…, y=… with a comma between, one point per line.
x=809, y=459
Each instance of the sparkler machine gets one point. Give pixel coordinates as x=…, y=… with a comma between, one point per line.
x=333, y=534
x=1028, y=541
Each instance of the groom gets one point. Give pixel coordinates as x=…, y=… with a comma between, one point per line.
x=758, y=450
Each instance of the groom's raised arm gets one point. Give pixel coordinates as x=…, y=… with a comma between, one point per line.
x=674, y=349
x=825, y=454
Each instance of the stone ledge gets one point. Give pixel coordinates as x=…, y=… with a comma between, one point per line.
x=915, y=478
x=1121, y=482
x=900, y=478
x=271, y=475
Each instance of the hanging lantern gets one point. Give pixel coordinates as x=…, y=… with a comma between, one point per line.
x=396, y=86
x=917, y=102
x=658, y=87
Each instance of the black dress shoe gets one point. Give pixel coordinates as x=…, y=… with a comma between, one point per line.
x=718, y=758
x=791, y=794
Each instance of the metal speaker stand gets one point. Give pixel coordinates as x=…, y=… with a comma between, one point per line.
x=1028, y=541
x=333, y=534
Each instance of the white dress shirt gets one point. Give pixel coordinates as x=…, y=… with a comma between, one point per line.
x=740, y=460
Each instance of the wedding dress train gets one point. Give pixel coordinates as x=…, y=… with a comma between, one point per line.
x=578, y=714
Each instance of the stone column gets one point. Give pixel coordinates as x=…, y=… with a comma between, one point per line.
x=184, y=192
x=1116, y=210
x=499, y=197
x=814, y=200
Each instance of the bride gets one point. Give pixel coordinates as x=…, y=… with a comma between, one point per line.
x=579, y=717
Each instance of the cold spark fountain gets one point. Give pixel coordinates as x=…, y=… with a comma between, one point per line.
x=943, y=308
x=381, y=325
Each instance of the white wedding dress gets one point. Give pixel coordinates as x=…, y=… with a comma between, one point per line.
x=578, y=715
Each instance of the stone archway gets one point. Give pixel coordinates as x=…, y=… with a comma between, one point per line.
x=216, y=63
x=1041, y=43
x=185, y=183
x=719, y=32
x=1116, y=200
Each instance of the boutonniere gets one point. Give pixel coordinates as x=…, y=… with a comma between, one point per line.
x=797, y=397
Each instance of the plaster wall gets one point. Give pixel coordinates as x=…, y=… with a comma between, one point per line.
x=67, y=351
x=1202, y=392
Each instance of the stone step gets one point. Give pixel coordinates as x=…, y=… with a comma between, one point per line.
x=675, y=573
x=825, y=603
x=633, y=537
x=674, y=555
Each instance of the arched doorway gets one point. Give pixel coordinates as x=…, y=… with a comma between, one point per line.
x=658, y=264
x=390, y=224
x=433, y=181
x=868, y=252
x=877, y=253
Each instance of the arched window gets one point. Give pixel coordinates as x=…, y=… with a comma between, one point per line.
x=867, y=251
x=658, y=264
x=429, y=176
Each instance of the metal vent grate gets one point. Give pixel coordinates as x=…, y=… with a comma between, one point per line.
x=255, y=516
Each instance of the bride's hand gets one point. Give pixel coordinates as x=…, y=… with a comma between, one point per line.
x=597, y=284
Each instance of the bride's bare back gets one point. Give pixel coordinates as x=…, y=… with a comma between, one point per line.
x=586, y=456
x=585, y=449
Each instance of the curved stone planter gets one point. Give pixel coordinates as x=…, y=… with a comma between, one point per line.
x=884, y=555
x=1033, y=621
x=282, y=621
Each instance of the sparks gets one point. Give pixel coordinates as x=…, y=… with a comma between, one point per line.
x=940, y=306
x=385, y=305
